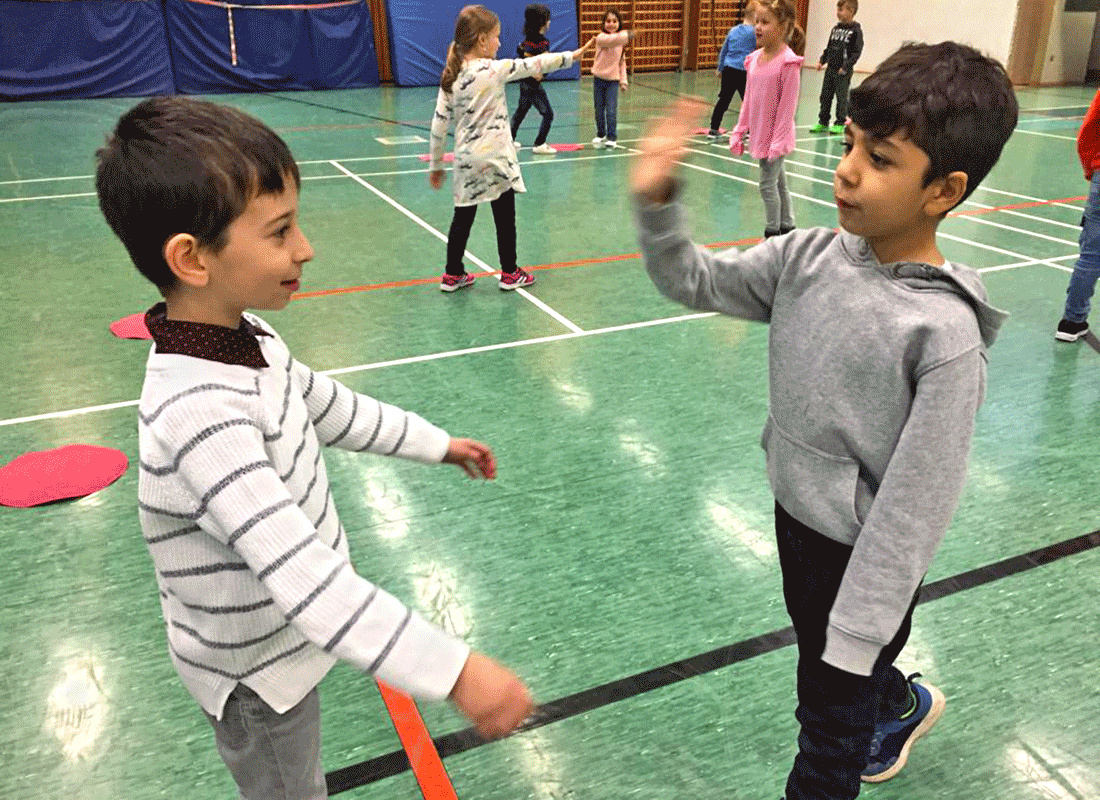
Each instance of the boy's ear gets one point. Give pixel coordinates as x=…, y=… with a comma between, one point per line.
x=181, y=252
x=947, y=193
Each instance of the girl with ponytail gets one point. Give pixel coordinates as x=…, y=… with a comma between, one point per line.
x=486, y=168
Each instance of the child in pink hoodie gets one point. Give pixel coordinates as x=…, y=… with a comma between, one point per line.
x=609, y=76
x=767, y=112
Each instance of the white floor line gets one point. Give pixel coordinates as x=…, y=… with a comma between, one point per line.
x=984, y=221
x=1048, y=135
x=980, y=245
x=441, y=236
x=1053, y=108
x=45, y=197
x=399, y=361
x=1079, y=209
x=984, y=188
x=40, y=180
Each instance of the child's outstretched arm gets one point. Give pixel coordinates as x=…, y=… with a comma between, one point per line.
x=738, y=283
x=352, y=421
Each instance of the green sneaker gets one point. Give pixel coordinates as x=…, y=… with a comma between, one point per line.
x=819, y=128
x=837, y=130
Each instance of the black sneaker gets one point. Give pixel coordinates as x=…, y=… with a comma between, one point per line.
x=785, y=229
x=1071, y=331
x=769, y=233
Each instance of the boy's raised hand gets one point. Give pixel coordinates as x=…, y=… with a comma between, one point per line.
x=475, y=458
x=494, y=699
x=653, y=169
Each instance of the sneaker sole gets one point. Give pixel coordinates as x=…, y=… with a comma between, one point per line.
x=511, y=287
x=939, y=702
x=445, y=288
x=1071, y=337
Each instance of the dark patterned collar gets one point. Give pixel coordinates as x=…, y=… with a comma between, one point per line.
x=200, y=340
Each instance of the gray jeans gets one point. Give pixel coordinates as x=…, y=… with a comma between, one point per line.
x=272, y=756
x=773, y=191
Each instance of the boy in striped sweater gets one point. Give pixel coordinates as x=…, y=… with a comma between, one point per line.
x=256, y=587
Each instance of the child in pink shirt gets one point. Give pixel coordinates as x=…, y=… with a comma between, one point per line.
x=609, y=76
x=767, y=112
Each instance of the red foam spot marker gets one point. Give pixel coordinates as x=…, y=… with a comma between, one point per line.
x=131, y=327
x=707, y=130
x=447, y=158
x=44, y=476
x=567, y=148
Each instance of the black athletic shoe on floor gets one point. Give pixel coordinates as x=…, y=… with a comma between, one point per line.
x=1071, y=331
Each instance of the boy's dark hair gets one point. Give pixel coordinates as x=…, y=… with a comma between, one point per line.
x=178, y=165
x=852, y=4
x=954, y=103
x=534, y=17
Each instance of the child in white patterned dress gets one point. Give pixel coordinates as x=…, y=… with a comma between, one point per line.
x=486, y=168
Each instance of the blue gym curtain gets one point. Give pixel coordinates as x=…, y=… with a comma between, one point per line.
x=136, y=48
x=83, y=48
x=421, y=30
x=329, y=46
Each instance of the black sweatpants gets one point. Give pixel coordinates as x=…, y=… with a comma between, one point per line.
x=837, y=710
x=834, y=84
x=733, y=80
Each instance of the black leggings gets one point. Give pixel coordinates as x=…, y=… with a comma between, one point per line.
x=733, y=80
x=504, y=216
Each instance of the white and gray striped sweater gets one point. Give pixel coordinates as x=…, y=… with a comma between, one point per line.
x=251, y=560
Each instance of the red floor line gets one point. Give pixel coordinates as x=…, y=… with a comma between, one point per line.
x=424, y=759
x=371, y=287
x=626, y=256
x=1031, y=204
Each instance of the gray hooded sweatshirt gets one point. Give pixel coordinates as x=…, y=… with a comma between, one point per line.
x=876, y=372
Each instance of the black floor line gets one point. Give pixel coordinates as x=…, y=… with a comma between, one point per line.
x=363, y=114
x=397, y=762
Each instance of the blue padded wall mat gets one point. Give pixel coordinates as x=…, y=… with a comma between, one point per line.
x=421, y=30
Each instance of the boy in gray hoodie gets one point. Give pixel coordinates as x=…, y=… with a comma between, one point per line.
x=877, y=366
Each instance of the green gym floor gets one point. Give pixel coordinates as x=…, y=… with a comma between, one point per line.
x=630, y=526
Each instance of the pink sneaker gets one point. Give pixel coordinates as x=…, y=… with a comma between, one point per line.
x=515, y=280
x=452, y=283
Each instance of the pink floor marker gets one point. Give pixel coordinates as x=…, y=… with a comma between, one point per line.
x=707, y=130
x=75, y=470
x=447, y=158
x=131, y=327
x=567, y=148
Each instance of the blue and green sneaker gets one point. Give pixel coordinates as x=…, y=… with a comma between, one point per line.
x=892, y=740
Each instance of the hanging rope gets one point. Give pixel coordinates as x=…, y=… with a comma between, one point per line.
x=295, y=7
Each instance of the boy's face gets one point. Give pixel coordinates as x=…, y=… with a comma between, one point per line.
x=879, y=187
x=610, y=23
x=844, y=12
x=261, y=263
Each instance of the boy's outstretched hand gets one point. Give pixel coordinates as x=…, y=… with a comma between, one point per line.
x=475, y=458
x=494, y=699
x=653, y=169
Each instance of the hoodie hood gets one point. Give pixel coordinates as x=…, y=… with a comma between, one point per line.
x=955, y=278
